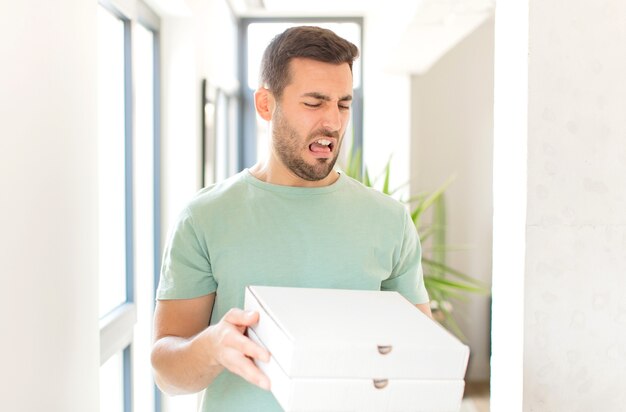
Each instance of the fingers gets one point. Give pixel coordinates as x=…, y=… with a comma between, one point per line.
x=235, y=351
x=244, y=367
x=241, y=320
x=236, y=340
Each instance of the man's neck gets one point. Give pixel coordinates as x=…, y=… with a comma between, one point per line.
x=280, y=175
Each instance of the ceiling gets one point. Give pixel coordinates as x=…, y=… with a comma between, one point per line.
x=303, y=8
x=431, y=9
x=428, y=28
x=435, y=28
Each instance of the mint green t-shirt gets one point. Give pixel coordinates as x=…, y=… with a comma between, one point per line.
x=244, y=231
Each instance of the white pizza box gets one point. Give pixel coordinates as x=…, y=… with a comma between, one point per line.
x=360, y=394
x=334, y=334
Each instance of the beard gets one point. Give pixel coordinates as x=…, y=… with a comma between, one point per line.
x=288, y=146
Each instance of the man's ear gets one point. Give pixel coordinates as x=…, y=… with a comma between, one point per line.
x=264, y=103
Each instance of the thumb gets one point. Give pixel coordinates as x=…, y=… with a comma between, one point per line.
x=240, y=317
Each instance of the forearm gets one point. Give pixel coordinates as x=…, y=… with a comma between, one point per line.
x=182, y=366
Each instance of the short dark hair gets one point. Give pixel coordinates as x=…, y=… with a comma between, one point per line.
x=308, y=42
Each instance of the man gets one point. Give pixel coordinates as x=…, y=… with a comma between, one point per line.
x=291, y=220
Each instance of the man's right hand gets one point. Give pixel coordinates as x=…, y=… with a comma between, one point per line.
x=187, y=355
x=227, y=344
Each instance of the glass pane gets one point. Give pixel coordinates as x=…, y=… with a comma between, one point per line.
x=143, y=190
x=111, y=152
x=112, y=384
x=233, y=134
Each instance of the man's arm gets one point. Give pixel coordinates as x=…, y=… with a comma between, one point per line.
x=187, y=354
x=425, y=307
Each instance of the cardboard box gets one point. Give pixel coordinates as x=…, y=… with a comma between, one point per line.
x=350, y=350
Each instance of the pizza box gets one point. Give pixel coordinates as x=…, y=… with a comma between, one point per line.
x=360, y=394
x=343, y=350
x=353, y=333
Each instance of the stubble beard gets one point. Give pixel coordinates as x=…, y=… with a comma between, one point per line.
x=288, y=147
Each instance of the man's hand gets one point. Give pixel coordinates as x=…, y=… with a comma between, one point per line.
x=187, y=355
x=425, y=308
x=227, y=344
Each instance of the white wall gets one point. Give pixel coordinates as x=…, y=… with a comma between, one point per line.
x=386, y=92
x=452, y=135
x=49, y=309
x=575, y=285
x=180, y=136
x=574, y=340
x=200, y=45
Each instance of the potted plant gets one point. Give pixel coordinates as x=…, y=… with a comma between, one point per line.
x=443, y=283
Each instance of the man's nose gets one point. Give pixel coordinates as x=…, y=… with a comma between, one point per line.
x=332, y=118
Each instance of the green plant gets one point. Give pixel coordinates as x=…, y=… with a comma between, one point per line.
x=443, y=283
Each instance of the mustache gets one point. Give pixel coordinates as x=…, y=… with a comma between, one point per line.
x=325, y=133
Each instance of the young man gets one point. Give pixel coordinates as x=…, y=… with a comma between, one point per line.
x=291, y=220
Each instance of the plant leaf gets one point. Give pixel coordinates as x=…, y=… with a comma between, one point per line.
x=425, y=233
x=454, y=272
x=450, y=284
x=366, y=178
x=385, y=189
x=452, y=324
x=437, y=193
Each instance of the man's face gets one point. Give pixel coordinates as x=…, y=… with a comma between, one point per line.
x=311, y=117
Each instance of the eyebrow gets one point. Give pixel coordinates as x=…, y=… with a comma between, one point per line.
x=321, y=96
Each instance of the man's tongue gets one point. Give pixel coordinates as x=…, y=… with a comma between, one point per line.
x=319, y=148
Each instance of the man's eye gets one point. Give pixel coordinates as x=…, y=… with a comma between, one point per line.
x=312, y=104
x=344, y=107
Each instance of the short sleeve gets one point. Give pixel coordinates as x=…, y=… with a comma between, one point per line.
x=186, y=268
x=407, y=276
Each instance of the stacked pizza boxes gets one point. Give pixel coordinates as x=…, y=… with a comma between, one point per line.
x=354, y=350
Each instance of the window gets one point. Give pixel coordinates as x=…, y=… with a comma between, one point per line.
x=111, y=161
x=146, y=217
x=128, y=184
x=255, y=34
x=219, y=135
x=117, y=312
x=112, y=383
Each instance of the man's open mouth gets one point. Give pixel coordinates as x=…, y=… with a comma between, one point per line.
x=322, y=146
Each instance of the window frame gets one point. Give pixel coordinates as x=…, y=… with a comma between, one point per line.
x=151, y=21
x=117, y=326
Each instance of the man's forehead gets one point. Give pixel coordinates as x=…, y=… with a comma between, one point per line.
x=320, y=79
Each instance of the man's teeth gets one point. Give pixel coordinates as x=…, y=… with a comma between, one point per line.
x=323, y=142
